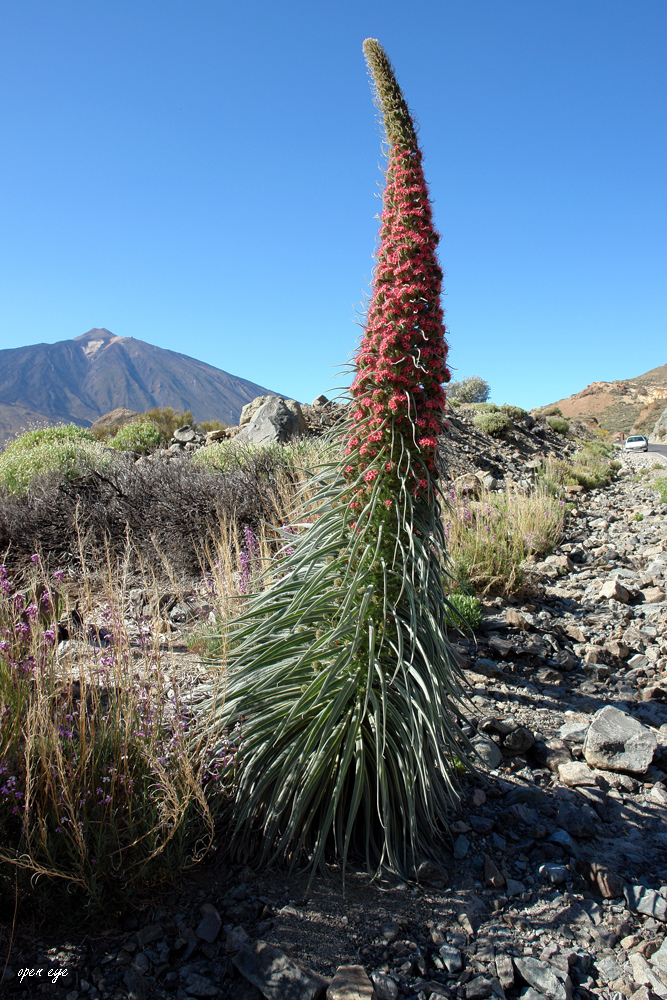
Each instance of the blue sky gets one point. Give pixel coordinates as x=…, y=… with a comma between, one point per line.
x=203, y=176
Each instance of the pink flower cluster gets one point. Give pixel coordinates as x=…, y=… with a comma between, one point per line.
x=401, y=362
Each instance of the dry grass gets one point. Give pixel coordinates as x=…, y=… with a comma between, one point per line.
x=490, y=538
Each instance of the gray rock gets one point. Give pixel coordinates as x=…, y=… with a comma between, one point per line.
x=210, y=924
x=545, y=978
x=250, y=409
x=184, y=435
x=149, y=934
x=199, y=986
x=488, y=751
x=518, y=741
x=647, y=901
x=660, y=957
x=617, y=742
x=608, y=968
x=461, y=847
x=385, y=987
x=614, y=590
x=390, y=931
x=554, y=873
x=504, y=970
x=574, y=732
x=351, y=983
x=478, y=988
x=137, y=987
x=236, y=938
x=579, y=821
x=450, y=958
x=276, y=420
x=276, y=975
x=513, y=887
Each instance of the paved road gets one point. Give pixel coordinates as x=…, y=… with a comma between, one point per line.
x=660, y=448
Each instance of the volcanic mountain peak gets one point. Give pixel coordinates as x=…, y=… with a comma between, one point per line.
x=81, y=379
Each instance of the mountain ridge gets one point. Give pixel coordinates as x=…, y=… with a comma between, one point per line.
x=621, y=406
x=79, y=380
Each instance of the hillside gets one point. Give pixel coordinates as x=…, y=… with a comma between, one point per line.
x=626, y=405
x=80, y=380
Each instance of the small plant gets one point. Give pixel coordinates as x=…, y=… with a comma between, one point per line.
x=141, y=436
x=551, y=411
x=661, y=486
x=657, y=466
x=464, y=611
x=494, y=423
x=67, y=449
x=514, y=412
x=558, y=424
x=637, y=517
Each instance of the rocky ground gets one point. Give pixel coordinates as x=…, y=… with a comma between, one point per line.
x=554, y=882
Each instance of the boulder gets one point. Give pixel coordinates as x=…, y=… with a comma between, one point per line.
x=468, y=485
x=548, y=980
x=276, y=420
x=276, y=975
x=250, y=409
x=614, y=590
x=617, y=742
x=351, y=983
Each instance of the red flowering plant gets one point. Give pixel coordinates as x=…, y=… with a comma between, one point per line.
x=340, y=666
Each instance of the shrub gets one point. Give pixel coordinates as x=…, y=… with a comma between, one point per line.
x=168, y=420
x=141, y=436
x=558, y=424
x=482, y=407
x=551, y=411
x=211, y=425
x=169, y=509
x=495, y=424
x=68, y=450
x=514, y=412
x=102, y=784
x=469, y=390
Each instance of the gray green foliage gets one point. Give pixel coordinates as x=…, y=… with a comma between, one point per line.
x=469, y=390
x=494, y=423
x=558, y=424
x=141, y=436
x=66, y=449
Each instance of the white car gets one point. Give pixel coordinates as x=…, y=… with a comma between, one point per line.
x=636, y=443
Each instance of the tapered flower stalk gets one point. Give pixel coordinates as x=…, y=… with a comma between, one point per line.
x=341, y=669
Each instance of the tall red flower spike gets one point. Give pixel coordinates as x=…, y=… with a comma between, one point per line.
x=401, y=361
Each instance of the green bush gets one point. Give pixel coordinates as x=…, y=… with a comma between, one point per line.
x=514, y=412
x=141, y=436
x=589, y=468
x=552, y=411
x=67, y=449
x=494, y=423
x=168, y=420
x=464, y=611
x=558, y=424
x=226, y=455
x=482, y=407
x=661, y=486
x=211, y=425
